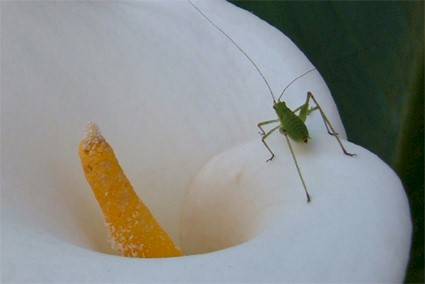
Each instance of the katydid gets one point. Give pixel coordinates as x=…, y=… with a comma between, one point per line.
x=290, y=123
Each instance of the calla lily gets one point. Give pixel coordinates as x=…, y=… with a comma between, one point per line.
x=170, y=93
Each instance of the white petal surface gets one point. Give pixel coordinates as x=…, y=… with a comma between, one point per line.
x=356, y=228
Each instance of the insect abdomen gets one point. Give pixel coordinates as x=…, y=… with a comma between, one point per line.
x=292, y=124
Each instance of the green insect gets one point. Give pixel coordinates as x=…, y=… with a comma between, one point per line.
x=291, y=123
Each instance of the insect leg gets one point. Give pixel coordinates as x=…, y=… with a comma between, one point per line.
x=313, y=109
x=262, y=132
x=265, y=144
x=298, y=168
x=308, y=112
x=328, y=124
x=330, y=132
x=304, y=111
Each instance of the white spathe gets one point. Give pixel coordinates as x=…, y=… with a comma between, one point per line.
x=355, y=229
x=169, y=93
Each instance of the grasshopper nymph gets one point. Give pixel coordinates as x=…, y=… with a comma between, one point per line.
x=291, y=123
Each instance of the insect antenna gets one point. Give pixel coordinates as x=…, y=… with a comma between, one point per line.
x=293, y=81
x=237, y=46
x=336, y=59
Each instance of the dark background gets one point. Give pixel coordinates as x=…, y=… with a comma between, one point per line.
x=371, y=55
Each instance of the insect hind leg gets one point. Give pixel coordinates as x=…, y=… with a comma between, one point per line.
x=328, y=124
x=304, y=111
